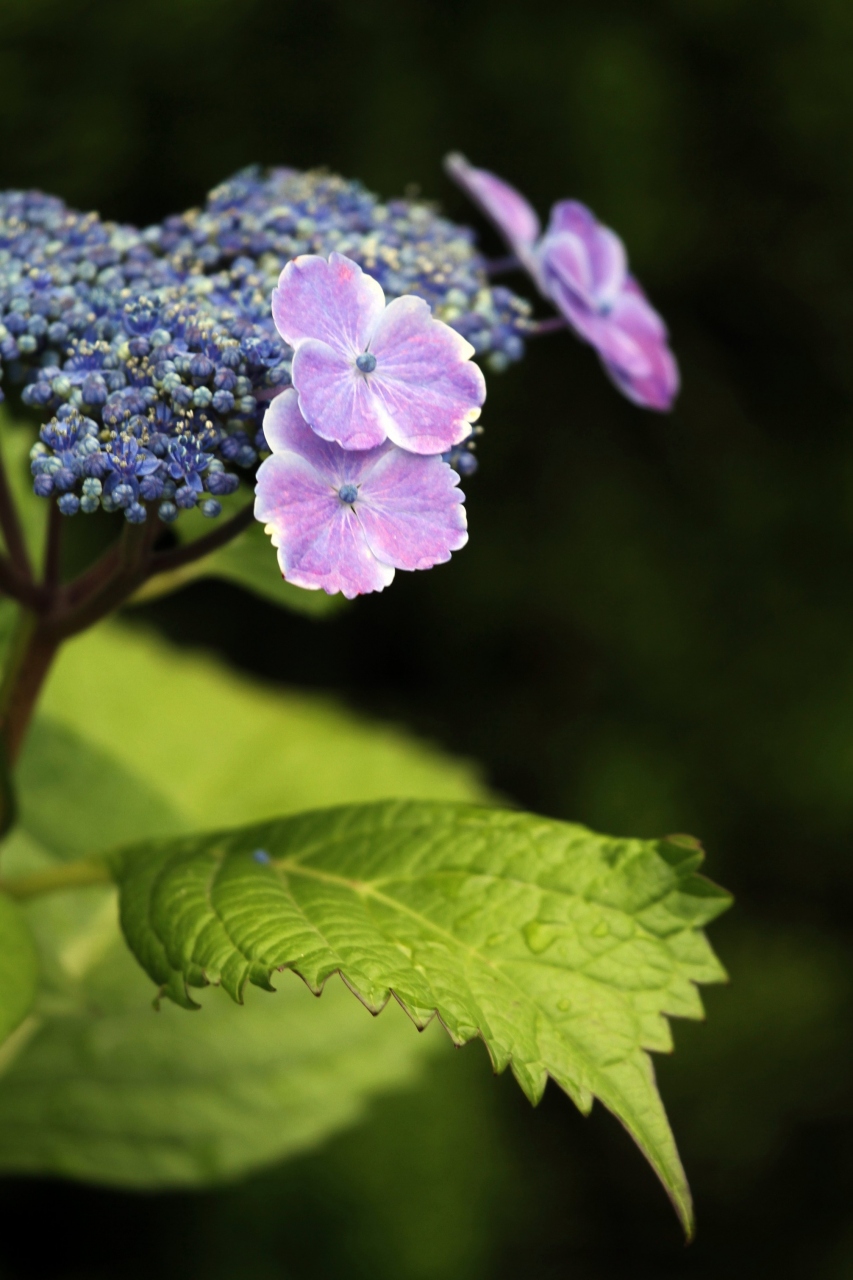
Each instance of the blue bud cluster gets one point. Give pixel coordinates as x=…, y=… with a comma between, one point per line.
x=153, y=353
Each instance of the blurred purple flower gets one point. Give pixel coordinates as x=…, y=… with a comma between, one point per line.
x=514, y=217
x=582, y=268
x=365, y=372
x=344, y=520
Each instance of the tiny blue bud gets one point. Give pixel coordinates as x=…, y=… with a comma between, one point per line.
x=366, y=363
x=348, y=493
x=123, y=495
x=261, y=855
x=466, y=463
x=211, y=508
x=167, y=511
x=136, y=513
x=69, y=504
x=223, y=402
x=201, y=368
x=186, y=497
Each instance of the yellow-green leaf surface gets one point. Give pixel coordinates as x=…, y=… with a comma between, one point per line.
x=18, y=967
x=228, y=750
x=564, y=950
x=143, y=740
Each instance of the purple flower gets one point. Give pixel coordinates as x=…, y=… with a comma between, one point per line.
x=345, y=520
x=514, y=217
x=582, y=268
x=365, y=372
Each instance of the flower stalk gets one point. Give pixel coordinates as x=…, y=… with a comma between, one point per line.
x=53, y=612
x=67, y=875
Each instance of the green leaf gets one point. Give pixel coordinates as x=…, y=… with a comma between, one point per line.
x=226, y=750
x=142, y=740
x=18, y=967
x=76, y=797
x=16, y=440
x=564, y=950
x=113, y=1092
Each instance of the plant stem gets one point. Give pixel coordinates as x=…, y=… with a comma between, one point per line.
x=69, y=875
x=165, y=561
x=131, y=569
x=32, y=652
x=53, y=612
x=50, y=576
x=552, y=325
x=499, y=266
x=16, y=586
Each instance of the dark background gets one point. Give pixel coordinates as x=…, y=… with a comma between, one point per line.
x=649, y=631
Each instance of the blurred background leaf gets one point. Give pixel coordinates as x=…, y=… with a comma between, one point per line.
x=18, y=968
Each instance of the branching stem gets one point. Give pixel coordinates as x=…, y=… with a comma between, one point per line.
x=178, y=557
x=68, y=875
x=553, y=325
x=53, y=612
x=500, y=266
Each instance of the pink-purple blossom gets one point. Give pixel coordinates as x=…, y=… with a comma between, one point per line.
x=581, y=266
x=343, y=520
x=366, y=372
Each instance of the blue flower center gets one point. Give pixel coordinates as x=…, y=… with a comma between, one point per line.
x=348, y=493
x=366, y=362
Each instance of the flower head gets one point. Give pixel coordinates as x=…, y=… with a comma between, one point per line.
x=366, y=372
x=343, y=519
x=166, y=333
x=582, y=268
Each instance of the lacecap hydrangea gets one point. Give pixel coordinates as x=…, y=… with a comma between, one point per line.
x=152, y=354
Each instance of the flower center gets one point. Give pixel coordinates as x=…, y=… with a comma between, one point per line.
x=348, y=493
x=366, y=363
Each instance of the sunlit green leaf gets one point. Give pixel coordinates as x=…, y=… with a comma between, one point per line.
x=142, y=739
x=564, y=950
x=18, y=967
x=224, y=749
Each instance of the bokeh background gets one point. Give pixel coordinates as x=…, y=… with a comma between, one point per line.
x=650, y=631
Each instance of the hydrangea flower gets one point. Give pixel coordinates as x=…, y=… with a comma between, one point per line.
x=581, y=267
x=165, y=335
x=344, y=520
x=366, y=372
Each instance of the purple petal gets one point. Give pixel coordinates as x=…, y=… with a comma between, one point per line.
x=507, y=208
x=335, y=398
x=572, y=216
x=319, y=539
x=407, y=513
x=287, y=431
x=426, y=389
x=656, y=384
x=333, y=301
x=411, y=510
x=589, y=258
